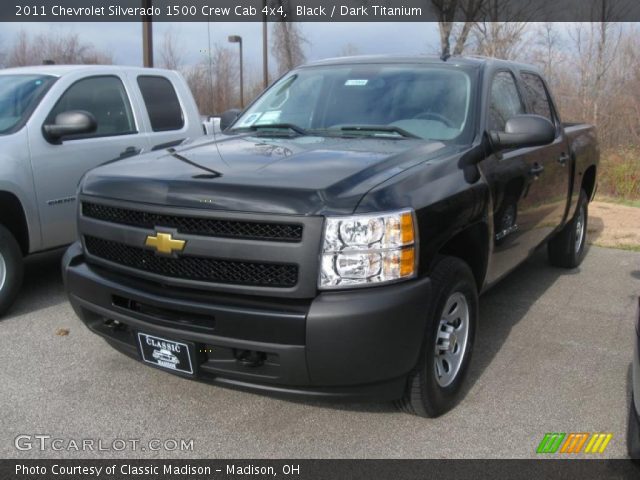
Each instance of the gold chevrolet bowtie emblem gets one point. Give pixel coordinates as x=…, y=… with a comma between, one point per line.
x=164, y=243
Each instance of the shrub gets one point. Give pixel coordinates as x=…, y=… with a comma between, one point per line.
x=619, y=174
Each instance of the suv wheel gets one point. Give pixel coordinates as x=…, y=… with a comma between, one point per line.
x=568, y=247
x=11, y=269
x=434, y=387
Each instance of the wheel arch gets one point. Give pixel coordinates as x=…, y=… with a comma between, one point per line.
x=13, y=217
x=589, y=181
x=471, y=245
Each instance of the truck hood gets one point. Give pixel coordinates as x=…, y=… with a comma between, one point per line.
x=306, y=175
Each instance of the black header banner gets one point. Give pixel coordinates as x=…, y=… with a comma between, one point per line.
x=316, y=11
x=317, y=469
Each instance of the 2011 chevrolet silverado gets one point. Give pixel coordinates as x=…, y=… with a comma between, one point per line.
x=334, y=239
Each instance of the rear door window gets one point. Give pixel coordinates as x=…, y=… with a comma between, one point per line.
x=162, y=103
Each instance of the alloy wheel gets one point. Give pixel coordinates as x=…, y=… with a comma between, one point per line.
x=451, y=339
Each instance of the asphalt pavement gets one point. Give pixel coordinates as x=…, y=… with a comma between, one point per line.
x=553, y=355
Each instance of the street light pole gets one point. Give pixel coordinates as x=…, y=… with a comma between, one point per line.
x=238, y=39
x=147, y=36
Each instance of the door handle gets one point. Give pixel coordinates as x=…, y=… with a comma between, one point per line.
x=536, y=170
x=563, y=159
x=129, y=152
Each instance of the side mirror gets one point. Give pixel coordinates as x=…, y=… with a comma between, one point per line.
x=524, y=131
x=74, y=122
x=228, y=117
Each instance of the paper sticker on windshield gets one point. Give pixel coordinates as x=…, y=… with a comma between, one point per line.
x=356, y=83
x=269, y=117
x=250, y=119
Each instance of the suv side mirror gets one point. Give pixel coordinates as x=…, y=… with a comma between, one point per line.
x=524, y=131
x=73, y=122
x=228, y=117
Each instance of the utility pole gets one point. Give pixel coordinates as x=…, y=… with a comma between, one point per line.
x=147, y=36
x=265, y=53
x=238, y=39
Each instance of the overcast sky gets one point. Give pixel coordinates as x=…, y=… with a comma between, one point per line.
x=123, y=40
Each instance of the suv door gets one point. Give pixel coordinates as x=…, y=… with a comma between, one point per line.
x=517, y=180
x=57, y=168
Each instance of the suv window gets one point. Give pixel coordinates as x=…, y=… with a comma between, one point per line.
x=19, y=95
x=505, y=101
x=429, y=101
x=162, y=103
x=537, y=95
x=298, y=101
x=105, y=98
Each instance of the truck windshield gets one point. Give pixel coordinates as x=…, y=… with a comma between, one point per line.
x=431, y=102
x=19, y=95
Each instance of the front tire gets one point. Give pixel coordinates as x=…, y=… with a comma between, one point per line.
x=11, y=269
x=434, y=387
x=568, y=247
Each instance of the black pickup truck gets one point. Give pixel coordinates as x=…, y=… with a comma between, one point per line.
x=334, y=239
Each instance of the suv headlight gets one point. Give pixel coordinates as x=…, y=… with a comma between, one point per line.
x=368, y=249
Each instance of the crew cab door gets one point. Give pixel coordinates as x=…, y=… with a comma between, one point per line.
x=524, y=194
x=555, y=158
x=57, y=168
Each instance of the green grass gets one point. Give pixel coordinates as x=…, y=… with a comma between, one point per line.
x=620, y=246
x=619, y=201
x=619, y=175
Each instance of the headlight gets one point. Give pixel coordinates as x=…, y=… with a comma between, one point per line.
x=368, y=249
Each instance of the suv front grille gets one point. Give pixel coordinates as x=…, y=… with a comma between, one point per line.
x=211, y=227
x=195, y=268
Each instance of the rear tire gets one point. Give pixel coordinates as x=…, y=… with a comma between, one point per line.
x=434, y=387
x=11, y=269
x=568, y=247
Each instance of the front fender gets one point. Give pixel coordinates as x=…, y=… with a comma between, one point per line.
x=16, y=179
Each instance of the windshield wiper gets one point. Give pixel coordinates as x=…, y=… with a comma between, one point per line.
x=274, y=126
x=378, y=128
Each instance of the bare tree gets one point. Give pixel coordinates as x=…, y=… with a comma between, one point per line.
x=200, y=83
x=226, y=75
x=287, y=42
x=2, y=54
x=596, y=45
x=288, y=45
x=499, y=39
x=171, y=52
x=349, y=50
x=21, y=53
x=546, y=49
x=595, y=77
x=59, y=48
x=451, y=31
x=215, y=83
x=619, y=110
x=504, y=28
x=254, y=85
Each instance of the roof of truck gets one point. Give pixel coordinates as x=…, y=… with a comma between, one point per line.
x=61, y=70
x=471, y=60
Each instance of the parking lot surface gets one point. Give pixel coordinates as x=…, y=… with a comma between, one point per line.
x=553, y=355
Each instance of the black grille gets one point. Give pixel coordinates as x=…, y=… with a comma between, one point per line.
x=195, y=268
x=209, y=227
